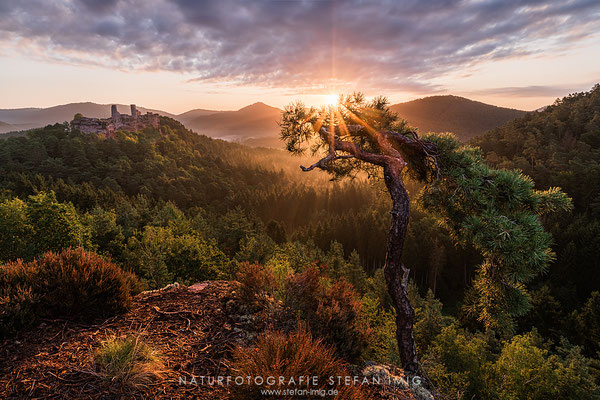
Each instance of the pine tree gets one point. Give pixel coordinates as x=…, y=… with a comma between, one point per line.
x=496, y=210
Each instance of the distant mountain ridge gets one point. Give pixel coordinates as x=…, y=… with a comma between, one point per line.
x=256, y=124
x=188, y=116
x=28, y=118
x=461, y=116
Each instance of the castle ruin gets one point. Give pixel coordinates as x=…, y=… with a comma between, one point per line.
x=117, y=121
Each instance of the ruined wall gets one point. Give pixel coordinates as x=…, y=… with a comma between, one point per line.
x=89, y=125
x=117, y=121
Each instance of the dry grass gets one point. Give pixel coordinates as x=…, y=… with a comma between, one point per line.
x=129, y=362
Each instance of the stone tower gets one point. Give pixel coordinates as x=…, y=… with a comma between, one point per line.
x=114, y=114
x=134, y=111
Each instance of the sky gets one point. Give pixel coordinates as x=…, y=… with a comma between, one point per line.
x=177, y=55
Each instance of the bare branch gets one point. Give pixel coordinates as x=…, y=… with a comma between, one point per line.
x=322, y=163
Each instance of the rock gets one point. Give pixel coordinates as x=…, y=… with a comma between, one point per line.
x=174, y=285
x=421, y=393
x=376, y=370
x=198, y=287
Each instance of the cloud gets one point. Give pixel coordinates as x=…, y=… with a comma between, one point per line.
x=535, y=90
x=307, y=45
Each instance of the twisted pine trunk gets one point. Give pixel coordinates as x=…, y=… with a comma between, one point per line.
x=396, y=275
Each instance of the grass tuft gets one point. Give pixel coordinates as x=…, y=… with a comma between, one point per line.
x=129, y=362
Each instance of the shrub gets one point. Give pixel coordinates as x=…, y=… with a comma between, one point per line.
x=256, y=281
x=161, y=255
x=294, y=355
x=457, y=362
x=526, y=370
x=333, y=310
x=73, y=283
x=129, y=362
x=80, y=282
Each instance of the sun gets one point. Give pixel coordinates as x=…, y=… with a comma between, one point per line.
x=331, y=99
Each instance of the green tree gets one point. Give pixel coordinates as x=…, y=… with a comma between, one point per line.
x=40, y=224
x=526, y=370
x=15, y=230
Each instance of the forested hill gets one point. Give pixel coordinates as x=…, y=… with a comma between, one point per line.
x=463, y=117
x=135, y=172
x=560, y=146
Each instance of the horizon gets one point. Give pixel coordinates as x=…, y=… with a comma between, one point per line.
x=325, y=102
x=181, y=55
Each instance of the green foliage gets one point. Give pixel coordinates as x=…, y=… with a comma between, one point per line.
x=429, y=321
x=497, y=211
x=40, y=224
x=587, y=324
x=349, y=269
x=559, y=147
x=15, y=230
x=159, y=255
x=457, y=362
x=525, y=370
x=73, y=283
x=105, y=233
x=382, y=346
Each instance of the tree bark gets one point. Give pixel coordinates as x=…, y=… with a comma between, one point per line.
x=396, y=275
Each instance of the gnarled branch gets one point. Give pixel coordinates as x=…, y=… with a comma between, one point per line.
x=322, y=163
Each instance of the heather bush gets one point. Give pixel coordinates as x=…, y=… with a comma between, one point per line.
x=332, y=310
x=73, y=283
x=297, y=354
x=256, y=282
